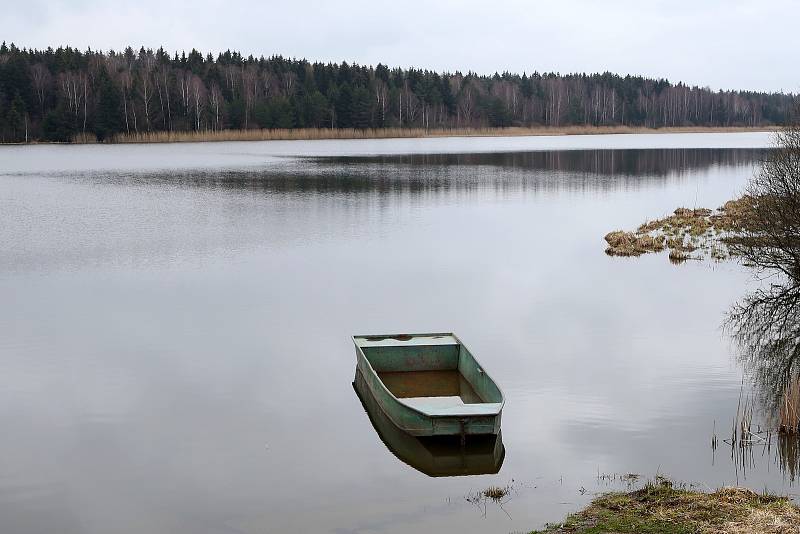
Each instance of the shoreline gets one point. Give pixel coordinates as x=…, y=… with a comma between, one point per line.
x=659, y=507
x=312, y=134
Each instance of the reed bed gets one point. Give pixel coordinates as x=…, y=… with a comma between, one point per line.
x=685, y=231
x=385, y=133
x=789, y=410
x=742, y=433
x=84, y=138
x=780, y=437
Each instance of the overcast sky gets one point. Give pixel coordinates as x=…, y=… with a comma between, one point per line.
x=720, y=43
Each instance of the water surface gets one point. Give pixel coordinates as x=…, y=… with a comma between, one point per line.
x=174, y=340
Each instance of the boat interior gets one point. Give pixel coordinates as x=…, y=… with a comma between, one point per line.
x=433, y=373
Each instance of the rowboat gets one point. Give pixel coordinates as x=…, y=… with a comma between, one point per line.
x=435, y=456
x=429, y=384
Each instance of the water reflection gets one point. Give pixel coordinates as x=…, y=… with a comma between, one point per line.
x=788, y=457
x=766, y=328
x=440, y=456
x=124, y=288
x=653, y=162
x=766, y=323
x=585, y=170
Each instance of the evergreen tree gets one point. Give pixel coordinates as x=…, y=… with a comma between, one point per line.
x=51, y=91
x=108, y=120
x=361, y=108
x=344, y=107
x=58, y=125
x=497, y=113
x=17, y=120
x=316, y=110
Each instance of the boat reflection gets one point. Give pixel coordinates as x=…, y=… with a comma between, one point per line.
x=436, y=456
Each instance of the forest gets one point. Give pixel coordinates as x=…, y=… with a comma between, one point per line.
x=66, y=94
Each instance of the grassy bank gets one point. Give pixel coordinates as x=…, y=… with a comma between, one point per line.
x=660, y=508
x=386, y=133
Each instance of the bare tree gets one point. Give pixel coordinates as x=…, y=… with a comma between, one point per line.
x=146, y=67
x=381, y=94
x=126, y=82
x=467, y=101
x=270, y=84
x=198, y=95
x=231, y=78
x=411, y=103
x=288, y=81
x=772, y=234
x=215, y=100
x=250, y=90
x=184, y=79
x=766, y=323
x=41, y=79
x=162, y=85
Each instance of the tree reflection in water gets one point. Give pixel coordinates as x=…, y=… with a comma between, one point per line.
x=766, y=328
x=766, y=323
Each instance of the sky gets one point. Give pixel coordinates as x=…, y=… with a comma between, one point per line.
x=722, y=44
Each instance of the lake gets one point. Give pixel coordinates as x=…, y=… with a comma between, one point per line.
x=174, y=335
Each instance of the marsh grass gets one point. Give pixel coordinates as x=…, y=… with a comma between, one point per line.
x=84, y=138
x=686, y=231
x=677, y=256
x=621, y=243
x=383, y=133
x=744, y=432
x=779, y=437
x=661, y=507
x=498, y=495
x=789, y=409
x=495, y=493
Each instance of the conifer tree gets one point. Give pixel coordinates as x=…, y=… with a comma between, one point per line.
x=109, y=119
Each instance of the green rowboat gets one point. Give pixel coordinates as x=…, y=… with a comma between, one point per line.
x=429, y=384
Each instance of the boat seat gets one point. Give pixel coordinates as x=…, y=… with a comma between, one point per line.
x=450, y=406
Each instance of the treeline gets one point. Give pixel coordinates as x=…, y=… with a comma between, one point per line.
x=61, y=94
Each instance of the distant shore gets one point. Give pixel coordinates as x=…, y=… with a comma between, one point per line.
x=306, y=134
x=400, y=133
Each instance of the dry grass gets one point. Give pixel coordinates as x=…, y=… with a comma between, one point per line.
x=622, y=243
x=789, y=412
x=735, y=215
x=677, y=256
x=685, y=231
x=660, y=508
x=382, y=133
x=84, y=138
x=495, y=494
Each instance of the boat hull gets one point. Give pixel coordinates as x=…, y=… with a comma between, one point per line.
x=471, y=420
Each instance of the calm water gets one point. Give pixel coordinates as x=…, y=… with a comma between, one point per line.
x=174, y=334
